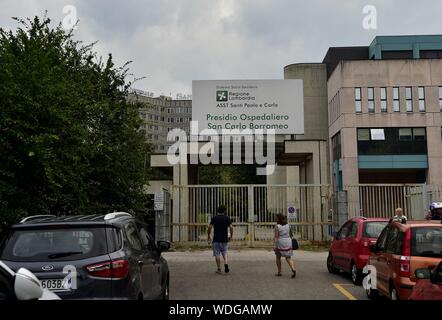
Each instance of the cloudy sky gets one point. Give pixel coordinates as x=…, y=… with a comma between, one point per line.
x=172, y=42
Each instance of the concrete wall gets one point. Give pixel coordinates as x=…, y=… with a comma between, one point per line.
x=315, y=97
x=158, y=186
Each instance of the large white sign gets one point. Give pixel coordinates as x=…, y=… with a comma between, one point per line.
x=249, y=104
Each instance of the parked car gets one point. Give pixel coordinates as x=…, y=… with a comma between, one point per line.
x=350, y=248
x=400, y=250
x=90, y=257
x=429, y=284
x=22, y=285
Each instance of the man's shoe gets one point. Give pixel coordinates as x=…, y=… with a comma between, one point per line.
x=226, y=268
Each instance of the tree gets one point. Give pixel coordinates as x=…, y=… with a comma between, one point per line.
x=70, y=142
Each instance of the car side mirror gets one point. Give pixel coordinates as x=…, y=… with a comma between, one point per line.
x=373, y=248
x=27, y=286
x=163, y=246
x=423, y=273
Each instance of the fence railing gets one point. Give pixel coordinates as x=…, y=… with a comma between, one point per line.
x=311, y=209
x=252, y=209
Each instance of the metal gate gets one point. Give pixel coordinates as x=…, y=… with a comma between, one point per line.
x=381, y=200
x=252, y=209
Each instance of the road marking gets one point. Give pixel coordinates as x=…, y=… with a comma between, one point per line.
x=344, y=292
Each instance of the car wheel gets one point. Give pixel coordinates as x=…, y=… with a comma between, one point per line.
x=331, y=265
x=356, y=274
x=393, y=293
x=371, y=293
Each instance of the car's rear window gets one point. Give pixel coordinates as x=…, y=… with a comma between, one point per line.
x=372, y=229
x=54, y=244
x=426, y=241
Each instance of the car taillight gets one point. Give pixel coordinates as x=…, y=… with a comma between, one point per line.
x=405, y=258
x=111, y=269
x=405, y=266
x=366, y=242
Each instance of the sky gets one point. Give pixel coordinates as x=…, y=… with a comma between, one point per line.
x=172, y=42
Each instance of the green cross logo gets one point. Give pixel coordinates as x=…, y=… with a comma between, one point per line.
x=222, y=96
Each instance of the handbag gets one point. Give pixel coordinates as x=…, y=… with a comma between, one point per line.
x=295, y=244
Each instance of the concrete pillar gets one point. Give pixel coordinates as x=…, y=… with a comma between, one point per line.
x=278, y=177
x=180, y=202
x=292, y=175
x=176, y=203
x=350, y=170
x=434, y=156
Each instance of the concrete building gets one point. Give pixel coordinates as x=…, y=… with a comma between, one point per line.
x=385, y=111
x=160, y=115
x=372, y=115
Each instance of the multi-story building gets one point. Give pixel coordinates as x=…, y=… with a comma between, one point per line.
x=385, y=104
x=160, y=115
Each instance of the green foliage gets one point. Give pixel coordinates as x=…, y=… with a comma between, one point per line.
x=225, y=174
x=69, y=141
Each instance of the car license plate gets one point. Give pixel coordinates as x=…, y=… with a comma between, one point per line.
x=54, y=284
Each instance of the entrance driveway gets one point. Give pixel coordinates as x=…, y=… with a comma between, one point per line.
x=252, y=276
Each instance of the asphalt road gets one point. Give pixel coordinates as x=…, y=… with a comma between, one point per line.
x=252, y=277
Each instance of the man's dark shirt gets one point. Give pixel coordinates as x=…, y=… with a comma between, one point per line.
x=220, y=224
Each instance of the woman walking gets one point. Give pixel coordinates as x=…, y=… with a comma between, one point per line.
x=282, y=244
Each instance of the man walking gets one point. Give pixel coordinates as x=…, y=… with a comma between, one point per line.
x=220, y=224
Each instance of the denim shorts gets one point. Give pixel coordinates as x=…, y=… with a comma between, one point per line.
x=219, y=248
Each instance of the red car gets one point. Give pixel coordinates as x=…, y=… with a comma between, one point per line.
x=350, y=247
x=429, y=284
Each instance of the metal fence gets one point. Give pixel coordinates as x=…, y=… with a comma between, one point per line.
x=313, y=211
x=252, y=209
x=380, y=201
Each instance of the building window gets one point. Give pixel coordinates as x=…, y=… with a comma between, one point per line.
x=440, y=98
x=336, y=147
x=358, y=100
x=396, y=141
x=409, y=99
x=396, y=103
x=405, y=134
x=150, y=117
x=419, y=134
x=421, y=99
x=384, y=99
x=370, y=95
x=377, y=134
x=363, y=134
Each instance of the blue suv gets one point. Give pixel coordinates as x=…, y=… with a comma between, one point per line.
x=89, y=257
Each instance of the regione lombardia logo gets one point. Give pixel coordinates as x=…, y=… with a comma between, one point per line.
x=222, y=96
